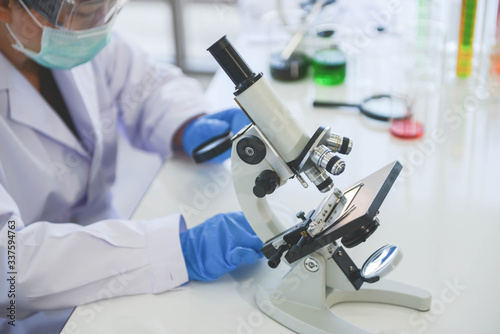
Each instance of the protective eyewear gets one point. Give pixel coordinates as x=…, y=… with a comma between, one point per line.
x=76, y=14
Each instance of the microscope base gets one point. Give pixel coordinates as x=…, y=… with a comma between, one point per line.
x=304, y=319
x=385, y=292
x=301, y=299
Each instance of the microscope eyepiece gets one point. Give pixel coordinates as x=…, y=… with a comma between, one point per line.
x=235, y=67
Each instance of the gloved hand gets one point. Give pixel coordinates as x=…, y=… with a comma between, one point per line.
x=207, y=127
x=218, y=245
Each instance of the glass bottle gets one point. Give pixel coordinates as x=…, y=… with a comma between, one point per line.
x=328, y=61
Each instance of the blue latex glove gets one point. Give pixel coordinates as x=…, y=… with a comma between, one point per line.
x=207, y=127
x=218, y=245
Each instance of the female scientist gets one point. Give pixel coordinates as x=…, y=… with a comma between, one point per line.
x=67, y=83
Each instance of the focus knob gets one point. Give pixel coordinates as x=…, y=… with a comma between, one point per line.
x=251, y=149
x=266, y=183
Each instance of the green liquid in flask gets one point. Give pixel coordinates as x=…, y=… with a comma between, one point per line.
x=329, y=67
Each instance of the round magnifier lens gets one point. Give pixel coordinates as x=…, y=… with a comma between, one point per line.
x=381, y=262
x=385, y=107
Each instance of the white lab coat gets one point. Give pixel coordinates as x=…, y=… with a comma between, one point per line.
x=71, y=248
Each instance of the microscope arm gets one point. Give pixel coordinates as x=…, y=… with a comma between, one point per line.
x=257, y=170
x=260, y=215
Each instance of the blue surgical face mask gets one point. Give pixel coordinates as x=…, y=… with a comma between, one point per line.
x=65, y=49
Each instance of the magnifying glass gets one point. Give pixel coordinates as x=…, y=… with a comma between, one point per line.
x=381, y=107
x=386, y=108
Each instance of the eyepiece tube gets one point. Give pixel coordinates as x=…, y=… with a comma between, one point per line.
x=231, y=62
x=260, y=103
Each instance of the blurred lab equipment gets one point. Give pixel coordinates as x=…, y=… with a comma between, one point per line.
x=278, y=38
x=381, y=107
x=328, y=60
x=290, y=64
x=318, y=37
x=386, y=108
x=294, y=68
x=495, y=54
x=407, y=128
x=299, y=35
x=466, y=38
x=265, y=155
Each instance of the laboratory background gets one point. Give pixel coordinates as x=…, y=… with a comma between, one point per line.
x=438, y=61
x=402, y=101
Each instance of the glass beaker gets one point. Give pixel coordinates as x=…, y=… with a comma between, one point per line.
x=328, y=60
x=281, y=27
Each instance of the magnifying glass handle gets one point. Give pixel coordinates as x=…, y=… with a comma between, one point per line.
x=213, y=147
x=335, y=104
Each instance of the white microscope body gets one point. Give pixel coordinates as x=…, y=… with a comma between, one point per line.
x=266, y=154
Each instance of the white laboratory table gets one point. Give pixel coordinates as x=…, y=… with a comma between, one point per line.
x=444, y=212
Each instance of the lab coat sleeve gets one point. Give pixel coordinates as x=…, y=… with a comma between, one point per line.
x=154, y=99
x=63, y=265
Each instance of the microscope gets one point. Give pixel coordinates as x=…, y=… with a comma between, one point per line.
x=269, y=152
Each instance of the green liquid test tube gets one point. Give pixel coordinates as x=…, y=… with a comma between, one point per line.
x=465, y=47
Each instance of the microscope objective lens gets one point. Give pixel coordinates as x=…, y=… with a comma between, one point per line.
x=323, y=157
x=320, y=179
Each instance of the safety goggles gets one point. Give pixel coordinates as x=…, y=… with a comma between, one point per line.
x=76, y=14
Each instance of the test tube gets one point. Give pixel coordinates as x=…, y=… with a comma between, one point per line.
x=424, y=16
x=495, y=54
x=466, y=38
